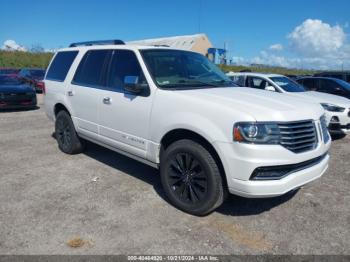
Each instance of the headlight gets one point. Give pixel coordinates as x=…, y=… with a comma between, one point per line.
x=256, y=133
x=332, y=108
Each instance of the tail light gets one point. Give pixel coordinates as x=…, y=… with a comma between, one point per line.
x=41, y=85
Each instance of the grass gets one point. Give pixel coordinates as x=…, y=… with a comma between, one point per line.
x=274, y=70
x=20, y=59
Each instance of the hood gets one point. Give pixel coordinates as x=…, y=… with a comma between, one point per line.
x=15, y=88
x=259, y=104
x=319, y=97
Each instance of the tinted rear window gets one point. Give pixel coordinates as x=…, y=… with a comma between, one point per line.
x=61, y=65
x=91, y=68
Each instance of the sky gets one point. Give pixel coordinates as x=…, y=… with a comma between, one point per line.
x=303, y=34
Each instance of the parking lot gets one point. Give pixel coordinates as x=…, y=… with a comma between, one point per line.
x=115, y=205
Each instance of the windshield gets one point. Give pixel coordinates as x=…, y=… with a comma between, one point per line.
x=287, y=85
x=9, y=80
x=175, y=69
x=344, y=84
x=37, y=73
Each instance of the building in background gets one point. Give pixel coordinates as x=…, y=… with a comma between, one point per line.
x=198, y=43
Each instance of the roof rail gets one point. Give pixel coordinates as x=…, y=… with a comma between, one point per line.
x=99, y=42
x=161, y=45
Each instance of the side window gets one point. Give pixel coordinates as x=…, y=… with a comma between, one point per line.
x=24, y=73
x=21, y=73
x=60, y=65
x=256, y=82
x=309, y=84
x=336, y=76
x=329, y=86
x=348, y=78
x=239, y=80
x=124, y=63
x=91, y=69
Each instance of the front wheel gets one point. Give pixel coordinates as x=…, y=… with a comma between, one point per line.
x=191, y=178
x=66, y=136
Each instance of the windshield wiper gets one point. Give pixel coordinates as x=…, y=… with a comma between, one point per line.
x=212, y=83
x=191, y=84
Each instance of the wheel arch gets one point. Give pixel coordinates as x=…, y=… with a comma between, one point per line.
x=181, y=133
x=59, y=107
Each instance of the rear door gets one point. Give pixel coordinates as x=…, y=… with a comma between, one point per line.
x=124, y=117
x=85, y=90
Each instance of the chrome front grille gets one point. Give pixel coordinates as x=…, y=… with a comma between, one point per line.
x=298, y=137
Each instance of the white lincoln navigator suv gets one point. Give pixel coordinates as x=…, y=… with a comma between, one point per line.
x=176, y=111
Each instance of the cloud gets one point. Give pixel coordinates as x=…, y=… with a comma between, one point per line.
x=11, y=45
x=313, y=44
x=276, y=47
x=320, y=63
x=271, y=59
x=314, y=38
x=238, y=60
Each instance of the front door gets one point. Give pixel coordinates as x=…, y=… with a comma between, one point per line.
x=124, y=117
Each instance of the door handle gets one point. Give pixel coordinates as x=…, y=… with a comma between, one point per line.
x=107, y=100
x=70, y=93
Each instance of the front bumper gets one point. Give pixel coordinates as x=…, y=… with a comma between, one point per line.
x=241, y=160
x=272, y=188
x=340, y=123
x=337, y=128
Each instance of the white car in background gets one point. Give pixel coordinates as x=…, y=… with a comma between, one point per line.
x=337, y=108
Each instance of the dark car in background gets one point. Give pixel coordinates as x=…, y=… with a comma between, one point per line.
x=9, y=71
x=328, y=85
x=342, y=75
x=34, y=77
x=15, y=94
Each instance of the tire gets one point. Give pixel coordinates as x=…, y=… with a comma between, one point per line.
x=191, y=178
x=66, y=136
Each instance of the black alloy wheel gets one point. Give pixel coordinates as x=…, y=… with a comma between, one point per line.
x=187, y=178
x=66, y=136
x=191, y=177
